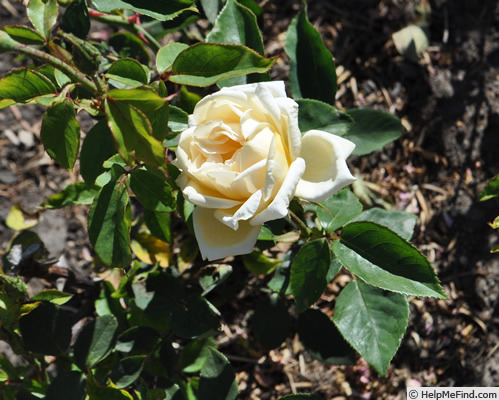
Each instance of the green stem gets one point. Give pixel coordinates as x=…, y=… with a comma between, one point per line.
x=304, y=229
x=74, y=74
x=129, y=26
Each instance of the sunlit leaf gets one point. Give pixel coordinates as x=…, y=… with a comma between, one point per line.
x=17, y=221
x=160, y=10
x=315, y=114
x=43, y=15
x=23, y=34
x=22, y=85
x=490, y=190
x=167, y=55
x=152, y=190
x=400, y=222
x=338, y=209
x=53, y=296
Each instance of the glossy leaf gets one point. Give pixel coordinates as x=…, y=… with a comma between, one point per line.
x=178, y=119
x=309, y=269
x=271, y=322
x=132, y=132
x=97, y=147
x=46, y=330
x=23, y=34
x=211, y=9
x=22, y=85
x=315, y=114
x=312, y=73
x=126, y=72
x=372, y=130
x=127, y=371
x=60, y=133
x=76, y=19
x=167, y=54
x=338, y=209
x=400, y=222
x=194, y=355
x=373, y=321
x=95, y=341
x=217, y=378
x=43, y=15
x=322, y=339
x=384, y=259
x=490, y=190
x=109, y=226
x=73, y=194
x=158, y=224
x=203, y=64
x=237, y=24
x=152, y=190
x=160, y=10
x=101, y=392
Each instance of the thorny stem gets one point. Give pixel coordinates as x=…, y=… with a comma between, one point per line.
x=74, y=74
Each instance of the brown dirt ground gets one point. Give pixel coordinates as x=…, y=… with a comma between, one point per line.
x=448, y=102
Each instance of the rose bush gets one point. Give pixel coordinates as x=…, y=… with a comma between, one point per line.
x=243, y=158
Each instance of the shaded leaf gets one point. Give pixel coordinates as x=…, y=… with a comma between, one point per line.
x=204, y=64
x=152, y=190
x=46, y=330
x=127, y=371
x=194, y=355
x=158, y=224
x=271, y=322
x=217, y=379
x=53, y=296
x=383, y=259
x=315, y=114
x=101, y=392
x=67, y=385
x=490, y=190
x=373, y=321
x=309, y=269
x=312, y=73
x=22, y=84
x=127, y=44
x=73, y=194
x=213, y=275
x=259, y=263
x=76, y=19
x=194, y=318
x=211, y=9
x=151, y=250
x=126, y=72
x=372, y=130
x=322, y=339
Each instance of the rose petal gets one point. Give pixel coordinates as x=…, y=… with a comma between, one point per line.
x=291, y=130
x=202, y=196
x=217, y=240
x=278, y=208
x=327, y=171
x=243, y=213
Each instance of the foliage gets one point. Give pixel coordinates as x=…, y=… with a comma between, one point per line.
x=154, y=334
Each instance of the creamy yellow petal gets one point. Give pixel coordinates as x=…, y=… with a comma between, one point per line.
x=326, y=168
x=217, y=240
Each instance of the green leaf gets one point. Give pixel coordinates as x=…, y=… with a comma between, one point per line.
x=373, y=321
x=97, y=147
x=127, y=44
x=314, y=114
x=167, y=54
x=160, y=10
x=101, y=392
x=194, y=318
x=76, y=19
x=153, y=192
x=259, y=263
x=109, y=226
x=213, y=275
x=178, y=119
x=384, y=259
x=138, y=340
x=237, y=24
x=23, y=34
x=372, y=130
x=338, y=209
x=194, y=355
x=127, y=72
x=490, y=190
x=46, y=330
x=309, y=269
x=67, y=385
x=52, y=296
x=158, y=224
x=22, y=85
x=322, y=339
x=60, y=133
x=211, y=9
x=127, y=371
x=312, y=73
x=73, y=194
x=132, y=132
x=218, y=381
x=400, y=222
x=204, y=64
x=43, y=15
x=95, y=341
x=144, y=98
x=271, y=322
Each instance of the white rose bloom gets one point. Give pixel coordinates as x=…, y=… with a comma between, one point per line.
x=243, y=158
